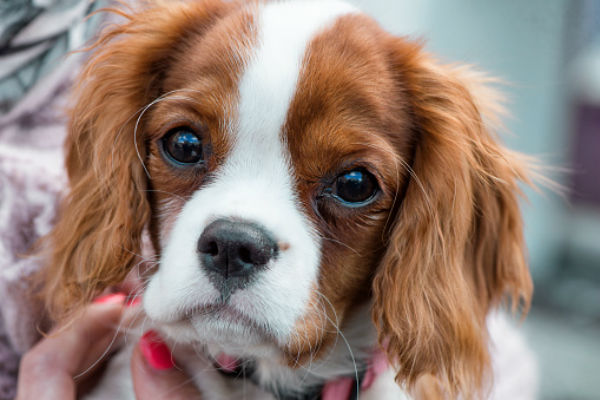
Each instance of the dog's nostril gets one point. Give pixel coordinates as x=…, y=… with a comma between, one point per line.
x=209, y=247
x=245, y=255
x=212, y=248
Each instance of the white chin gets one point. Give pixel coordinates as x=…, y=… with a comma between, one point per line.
x=225, y=327
x=180, y=332
x=224, y=331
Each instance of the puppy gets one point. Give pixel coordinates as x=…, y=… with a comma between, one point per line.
x=317, y=191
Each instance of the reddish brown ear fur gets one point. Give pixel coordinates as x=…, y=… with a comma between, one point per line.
x=98, y=233
x=456, y=247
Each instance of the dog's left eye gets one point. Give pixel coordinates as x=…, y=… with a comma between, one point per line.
x=183, y=146
x=356, y=187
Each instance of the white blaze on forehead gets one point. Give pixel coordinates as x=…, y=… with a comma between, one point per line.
x=267, y=86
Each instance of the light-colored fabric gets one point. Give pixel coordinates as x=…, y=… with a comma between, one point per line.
x=31, y=180
x=35, y=37
x=35, y=76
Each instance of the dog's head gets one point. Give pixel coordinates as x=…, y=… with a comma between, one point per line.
x=291, y=161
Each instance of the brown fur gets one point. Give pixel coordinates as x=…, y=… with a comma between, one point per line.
x=97, y=238
x=456, y=247
x=339, y=120
x=440, y=246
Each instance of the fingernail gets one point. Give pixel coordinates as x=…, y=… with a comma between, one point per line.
x=338, y=389
x=378, y=364
x=156, y=352
x=110, y=298
x=368, y=379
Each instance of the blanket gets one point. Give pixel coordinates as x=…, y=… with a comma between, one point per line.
x=32, y=179
x=36, y=73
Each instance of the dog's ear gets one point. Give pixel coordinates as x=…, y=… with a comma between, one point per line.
x=97, y=237
x=456, y=244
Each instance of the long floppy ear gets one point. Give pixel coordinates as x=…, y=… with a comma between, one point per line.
x=456, y=245
x=97, y=237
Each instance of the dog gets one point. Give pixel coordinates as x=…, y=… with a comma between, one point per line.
x=319, y=194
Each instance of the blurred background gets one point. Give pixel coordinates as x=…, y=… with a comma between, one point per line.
x=548, y=52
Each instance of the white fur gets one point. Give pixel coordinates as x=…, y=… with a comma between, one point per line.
x=513, y=362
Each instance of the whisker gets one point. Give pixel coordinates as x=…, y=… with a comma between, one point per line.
x=106, y=351
x=140, y=112
x=347, y=343
x=340, y=243
x=137, y=123
x=167, y=192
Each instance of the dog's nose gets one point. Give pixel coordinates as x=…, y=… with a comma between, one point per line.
x=235, y=249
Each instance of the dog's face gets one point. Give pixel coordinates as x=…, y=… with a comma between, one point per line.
x=272, y=190
x=291, y=161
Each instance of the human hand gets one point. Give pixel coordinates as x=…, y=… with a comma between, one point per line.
x=49, y=369
x=61, y=363
x=155, y=374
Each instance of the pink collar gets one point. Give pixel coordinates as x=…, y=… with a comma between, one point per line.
x=339, y=389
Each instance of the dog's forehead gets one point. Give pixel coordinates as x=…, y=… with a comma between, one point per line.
x=301, y=88
x=269, y=63
x=270, y=79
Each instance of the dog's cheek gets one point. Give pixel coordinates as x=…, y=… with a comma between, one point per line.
x=166, y=215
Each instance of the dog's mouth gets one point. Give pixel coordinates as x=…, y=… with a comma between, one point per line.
x=224, y=317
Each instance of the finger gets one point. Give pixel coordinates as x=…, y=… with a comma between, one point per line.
x=155, y=375
x=36, y=384
x=87, y=340
x=47, y=370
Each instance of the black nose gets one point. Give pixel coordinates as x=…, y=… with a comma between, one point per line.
x=235, y=249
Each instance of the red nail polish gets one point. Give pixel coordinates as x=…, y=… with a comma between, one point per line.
x=156, y=352
x=110, y=298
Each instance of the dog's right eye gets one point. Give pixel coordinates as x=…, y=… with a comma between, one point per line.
x=183, y=146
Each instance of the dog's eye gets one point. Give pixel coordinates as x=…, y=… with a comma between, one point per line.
x=355, y=187
x=183, y=146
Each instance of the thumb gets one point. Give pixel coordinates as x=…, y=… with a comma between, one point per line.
x=155, y=375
